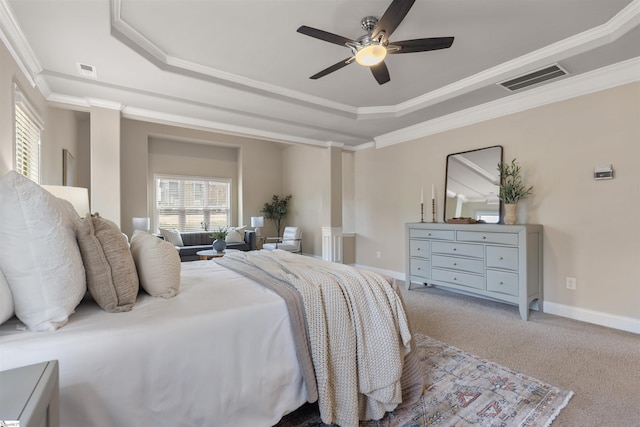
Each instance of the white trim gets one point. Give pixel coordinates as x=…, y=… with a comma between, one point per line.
x=120, y=26
x=604, y=78
x=623, y=323
x=20, y=49
x=628, y=324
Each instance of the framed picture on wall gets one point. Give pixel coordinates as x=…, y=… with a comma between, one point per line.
x=68, y=168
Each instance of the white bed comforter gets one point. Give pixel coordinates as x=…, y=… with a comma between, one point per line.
x=218, y=354
x=358, y=331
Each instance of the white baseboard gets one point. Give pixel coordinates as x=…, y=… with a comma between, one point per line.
x=622, y=323
x=628, y=324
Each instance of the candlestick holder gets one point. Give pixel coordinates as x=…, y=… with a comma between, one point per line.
x=421, y=212
x=433, y=210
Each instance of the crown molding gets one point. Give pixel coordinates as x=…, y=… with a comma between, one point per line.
x=212, y=126
x=604, y=78
x=620, y=24
x=120, y=26
x=13, y=38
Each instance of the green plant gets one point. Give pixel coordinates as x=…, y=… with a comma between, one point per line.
x=512, y=186
x=220, y=233
x=276, y=210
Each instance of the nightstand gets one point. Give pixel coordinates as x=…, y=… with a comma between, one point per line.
x=30, y=395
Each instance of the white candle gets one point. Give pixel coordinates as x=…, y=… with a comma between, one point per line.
x=422, y=196
x=433, y=192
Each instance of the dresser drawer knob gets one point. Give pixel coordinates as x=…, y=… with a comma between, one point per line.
x=455, y=278
x=455, y=263
x=500, y=258
x=454, y=249
x=484, y=237
x=500, y=282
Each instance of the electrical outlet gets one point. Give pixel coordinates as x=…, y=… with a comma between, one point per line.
x=571, y=283
x=378, y=255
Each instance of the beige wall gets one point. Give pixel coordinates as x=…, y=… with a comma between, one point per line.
x=60, y=133
x=305, y=178
x=255, y=166
x=10, y=74
x=589, y=227
x=199, y=160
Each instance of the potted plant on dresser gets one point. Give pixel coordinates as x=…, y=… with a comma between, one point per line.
x=512, y=189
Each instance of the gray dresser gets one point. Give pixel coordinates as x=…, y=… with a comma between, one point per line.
x=501, y=262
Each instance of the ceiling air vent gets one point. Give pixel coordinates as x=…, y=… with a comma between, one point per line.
x=87, y=70
x=552, y=72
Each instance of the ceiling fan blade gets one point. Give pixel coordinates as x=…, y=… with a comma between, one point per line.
x=381, y=73
x=421, y=45
x=334, y=67
x=392, y=17
x=323, y=35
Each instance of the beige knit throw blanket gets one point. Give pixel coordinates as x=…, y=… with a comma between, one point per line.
x=358, y=332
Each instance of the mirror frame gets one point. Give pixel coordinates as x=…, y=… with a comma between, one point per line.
x=446, y=180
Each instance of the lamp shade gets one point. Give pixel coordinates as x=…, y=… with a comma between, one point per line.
x=371, y=54
x=77, y=196
x=257, y=221
x=141, y=223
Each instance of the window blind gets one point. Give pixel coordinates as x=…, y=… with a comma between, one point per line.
x=27, y=139
x=192, y=203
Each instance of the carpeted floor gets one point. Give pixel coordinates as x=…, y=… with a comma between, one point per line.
x=463, y=389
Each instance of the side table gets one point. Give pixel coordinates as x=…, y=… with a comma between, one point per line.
x=210, y=253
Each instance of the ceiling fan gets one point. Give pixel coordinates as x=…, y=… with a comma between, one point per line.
x=370, y=49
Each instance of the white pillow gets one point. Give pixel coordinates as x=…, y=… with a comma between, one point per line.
x=158, y=264
x=39, y=254
x=235, y=234
x=6, y=300
x=172, y=235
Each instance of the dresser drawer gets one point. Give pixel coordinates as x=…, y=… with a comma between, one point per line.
x=420, y=268
x=502, y=282
x=432, y=234
x=491, y=237
x=461, y=249
x=502, y=257
x=464, y=264
x=458, y=278
x=419, y=248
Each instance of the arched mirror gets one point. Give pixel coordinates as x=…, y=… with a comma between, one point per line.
x=473, y=184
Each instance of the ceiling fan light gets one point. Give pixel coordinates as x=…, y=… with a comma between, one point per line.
x=371, y=55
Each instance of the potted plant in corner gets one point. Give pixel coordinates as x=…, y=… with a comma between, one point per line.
x=512, y=189
x=219, y=236
x=276, y=210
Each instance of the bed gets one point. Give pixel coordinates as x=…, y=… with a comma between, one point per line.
x=219, y=354
x=142, y=339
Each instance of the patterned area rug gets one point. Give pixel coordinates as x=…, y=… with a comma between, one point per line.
x=463, y=390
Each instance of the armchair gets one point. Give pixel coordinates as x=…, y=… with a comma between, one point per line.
x=291, y=241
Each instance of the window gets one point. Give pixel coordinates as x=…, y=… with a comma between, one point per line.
x=187, y=203
x=27, y=138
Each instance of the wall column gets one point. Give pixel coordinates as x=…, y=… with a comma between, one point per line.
x=332, y=209
x=105, y=162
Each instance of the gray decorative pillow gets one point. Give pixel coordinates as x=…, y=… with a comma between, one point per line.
x=172, y=235
x=112, y=279
x=158, y=264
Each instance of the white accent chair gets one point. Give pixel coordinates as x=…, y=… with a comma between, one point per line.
x=291, y=241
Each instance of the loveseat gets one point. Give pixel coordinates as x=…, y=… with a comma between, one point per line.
x=194, y=241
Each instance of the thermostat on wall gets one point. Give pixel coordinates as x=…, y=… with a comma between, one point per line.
x=603, y=172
